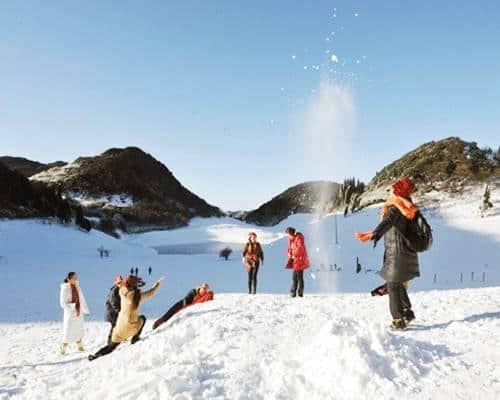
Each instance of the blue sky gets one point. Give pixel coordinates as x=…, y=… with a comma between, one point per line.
x=216, y=90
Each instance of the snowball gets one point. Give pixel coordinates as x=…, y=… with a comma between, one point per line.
x=334, y=58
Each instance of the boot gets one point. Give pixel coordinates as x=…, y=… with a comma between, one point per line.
x=79, y=346
x=293, y=294
x=408, y=315
x=157, y=323
x=62, y=349
x=398, y=324
x=92, y=357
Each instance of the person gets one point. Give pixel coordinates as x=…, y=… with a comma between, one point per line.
x=150, y=270
x=129, y=323
x=136, y=271
x=297, y=260
x=200, y=294
x=113, y=304
x=132, y=271
x=400, y=260
x=252, y=256
x=73, y=303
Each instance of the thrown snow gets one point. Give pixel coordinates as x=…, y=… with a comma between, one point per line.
x=334, y=58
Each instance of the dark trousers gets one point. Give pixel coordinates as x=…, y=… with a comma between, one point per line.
x=111, y=331
x=170, y=313
x=398, y=299
x=252, y=278
x=111, y=346
x=297, y=283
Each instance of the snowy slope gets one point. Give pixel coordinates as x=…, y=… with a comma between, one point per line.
x=331, y=344
x=275, y=347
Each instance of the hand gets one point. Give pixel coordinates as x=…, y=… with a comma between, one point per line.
x=158, y=282
x=364, y=236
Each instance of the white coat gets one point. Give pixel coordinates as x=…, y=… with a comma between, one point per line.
x=72, y=323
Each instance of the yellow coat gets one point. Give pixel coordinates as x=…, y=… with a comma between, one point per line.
x=128, y=323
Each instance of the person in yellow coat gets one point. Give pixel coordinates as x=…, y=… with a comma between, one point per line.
x=129, y=323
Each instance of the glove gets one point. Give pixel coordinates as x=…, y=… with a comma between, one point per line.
x=364, y=236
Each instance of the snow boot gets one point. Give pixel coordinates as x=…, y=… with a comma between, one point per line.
x=62, y=350
x=79, y=346
x=408, y=315
x=293, y=294
x=92, y=357
x=398, y=324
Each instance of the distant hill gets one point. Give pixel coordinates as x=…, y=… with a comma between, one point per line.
x=306, y=197
x=27, y=167
x=131, y=183
x=20, y=198
x=446, y=166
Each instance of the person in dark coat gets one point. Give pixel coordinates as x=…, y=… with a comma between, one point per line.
x=113, y=305
x=400, y=260
x=198, y=295
x=297, y=260
x=252, y=256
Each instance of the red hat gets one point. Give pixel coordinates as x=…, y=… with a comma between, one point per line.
x=118, y=279
x=252, y=234
x=403, y=188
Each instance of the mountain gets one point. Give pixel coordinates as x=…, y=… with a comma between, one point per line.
x=439, y=168
x=306, y=197
x=20, y=198
x=27, y=167
x=130, y=183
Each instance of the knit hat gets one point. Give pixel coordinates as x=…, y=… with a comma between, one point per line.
x=403, y=188
x=252, y=234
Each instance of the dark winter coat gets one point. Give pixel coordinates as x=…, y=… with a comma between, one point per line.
x=113, y=305
x=400, y=261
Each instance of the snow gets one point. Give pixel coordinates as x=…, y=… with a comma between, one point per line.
x=334, y=58
x=274, y=347
x=111, y=200
x=56, y=174
x=334, y=343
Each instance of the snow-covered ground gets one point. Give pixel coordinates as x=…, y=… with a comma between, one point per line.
x=274, y=347
x=334, y=343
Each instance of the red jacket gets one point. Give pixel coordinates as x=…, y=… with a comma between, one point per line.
x=297, y=253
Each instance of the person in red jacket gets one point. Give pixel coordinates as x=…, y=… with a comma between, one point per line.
x=198, y=295
x=297, y=260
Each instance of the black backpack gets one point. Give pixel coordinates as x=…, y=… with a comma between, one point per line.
x=420, y=234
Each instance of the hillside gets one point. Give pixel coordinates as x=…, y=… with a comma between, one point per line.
x=307, y=197
x=20, y=198
x=130, y=183
x=28, y=167
x=449, y=167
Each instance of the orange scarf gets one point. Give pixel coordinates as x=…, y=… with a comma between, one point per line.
x=405, y=206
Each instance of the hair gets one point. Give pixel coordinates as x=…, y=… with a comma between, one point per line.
x=131, y=284
x=69, y=276
x=290, y=230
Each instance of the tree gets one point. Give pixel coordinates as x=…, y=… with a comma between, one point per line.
x=486, y=200
x=225, y=253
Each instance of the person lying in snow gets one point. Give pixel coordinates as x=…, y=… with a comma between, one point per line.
x=400, y=260
x=129, y=323
x=199, y=295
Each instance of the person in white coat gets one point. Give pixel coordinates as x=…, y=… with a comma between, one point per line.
x=74, y=305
